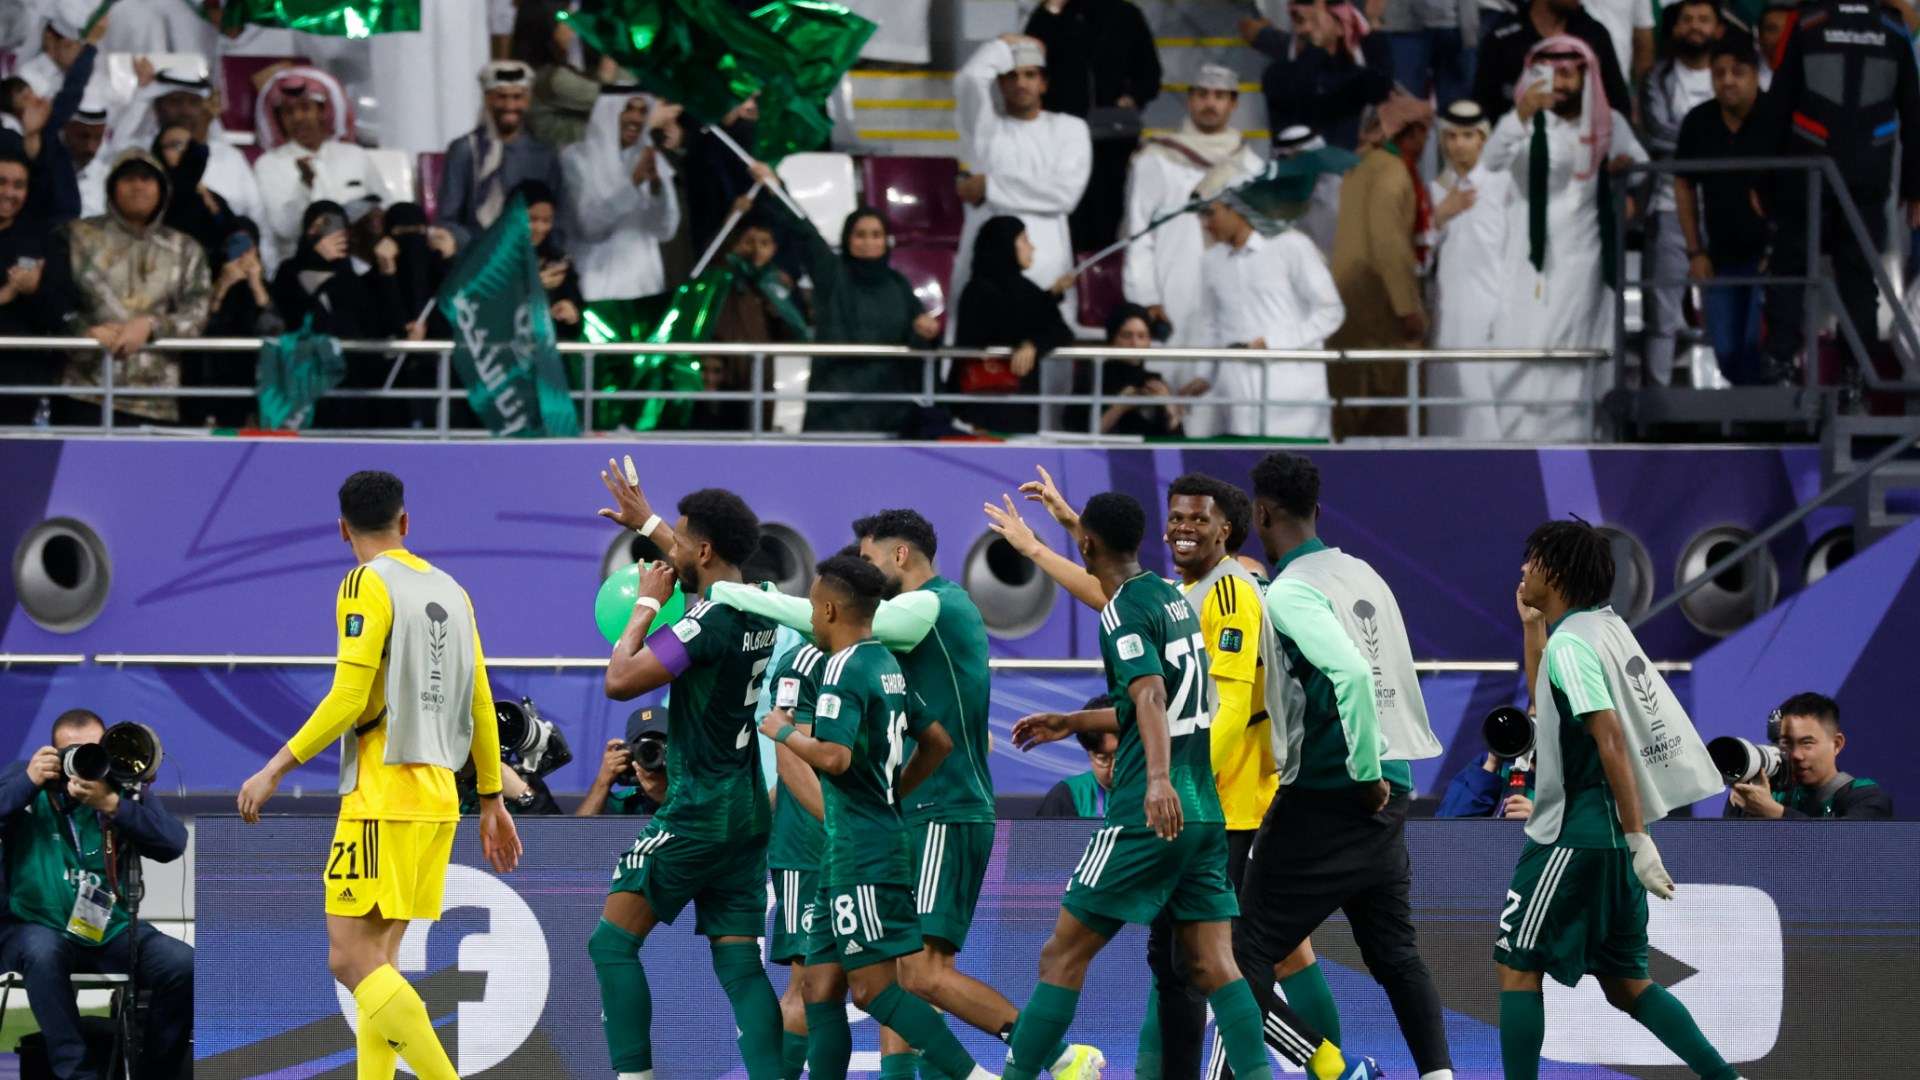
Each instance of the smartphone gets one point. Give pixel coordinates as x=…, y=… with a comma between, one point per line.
x=238, y=244
x=1540, y=73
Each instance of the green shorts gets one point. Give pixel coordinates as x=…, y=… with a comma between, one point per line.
x=726, y=880
x=1573, y=912
x=857, y=925
x=953, y=863
x=793, y=914
x=1129, y=875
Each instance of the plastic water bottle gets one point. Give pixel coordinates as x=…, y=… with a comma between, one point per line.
x=43, y=414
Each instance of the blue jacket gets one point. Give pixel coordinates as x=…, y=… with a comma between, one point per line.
x=154, y=832
x=1475, y=792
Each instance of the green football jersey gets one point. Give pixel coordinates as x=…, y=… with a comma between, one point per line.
x=948, y=680
x=798, y=836
x=715, y=790
x=862, y=705
x=1149, y=629
x=1579, y=686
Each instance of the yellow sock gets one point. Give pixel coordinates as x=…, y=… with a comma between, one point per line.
x=1327, y=1063
x=395, y=1013
x=377, y=1057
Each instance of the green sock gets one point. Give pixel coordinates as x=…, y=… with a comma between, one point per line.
x=1236, y=1016
x=1523, y=1031
x=1147, y=1057
x=793, y=1055
x=1042, y=1025
x=756, y=1011
x=923, y=1028
x=1307, y=991
x=898, y=1066
x=1671, y=1023
x=829, y=1041
x=626, y=1005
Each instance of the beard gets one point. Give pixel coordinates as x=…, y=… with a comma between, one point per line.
x=894, y=584
x=689, y=577
x=1688, y=49
x=1570, y=108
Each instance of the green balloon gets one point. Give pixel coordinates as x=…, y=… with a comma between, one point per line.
x=614, y=605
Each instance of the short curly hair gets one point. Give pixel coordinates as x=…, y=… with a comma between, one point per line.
x=900, y=524
x=1117, y=520
x=724, y=520
x=1576, y=560
x=856, y=579
x=1288, y=481
x=371, y=500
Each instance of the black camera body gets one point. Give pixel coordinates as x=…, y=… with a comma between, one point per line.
x=1508, y=732
x=128, y=755
x=528, y=740
x=646, y=741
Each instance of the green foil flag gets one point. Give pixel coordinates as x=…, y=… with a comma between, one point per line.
x=294, y=371
x=1272, y=200
x=503, y=343
x=710, y=57
x=334, y=18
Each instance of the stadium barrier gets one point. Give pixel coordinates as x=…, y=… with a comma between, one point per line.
x=1819, y=915
x=446, y=390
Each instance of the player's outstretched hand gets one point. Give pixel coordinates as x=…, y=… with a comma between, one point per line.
x=255, y=793
x=1013, y=528
x=1648, y=867
x=499, y=840
x=630, y=503
x=1163, y=809
x=1031, y=731
x=1044, y=492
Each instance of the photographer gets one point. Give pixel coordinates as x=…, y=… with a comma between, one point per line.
x=1809, y=783
x=1489, y=790
x=523, y=794
x=640, y=791
x=67, y=843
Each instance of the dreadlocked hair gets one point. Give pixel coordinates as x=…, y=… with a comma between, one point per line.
x=1575, y=559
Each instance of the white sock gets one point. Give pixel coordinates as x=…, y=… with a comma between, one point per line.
x=647, y=1075
x=979, y=1073
x=1438, y=1074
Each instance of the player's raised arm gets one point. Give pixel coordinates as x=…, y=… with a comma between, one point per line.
x=1080, y=584
x=640, y=662
x=1036, y=728
x=630, y=506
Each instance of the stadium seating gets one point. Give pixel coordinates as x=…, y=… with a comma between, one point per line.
x=930, y=268
x=1100, y=290
x=237, y=89
x=823, y=185
x=917, y=195
x=432, y=165
x=396, y=174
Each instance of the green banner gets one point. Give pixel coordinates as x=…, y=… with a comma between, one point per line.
x=709, y=56
x=294, y=371
x=334, y=18
x=503, y=343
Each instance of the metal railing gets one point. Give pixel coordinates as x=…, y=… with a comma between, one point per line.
x=446, y=390
x=1823, y=176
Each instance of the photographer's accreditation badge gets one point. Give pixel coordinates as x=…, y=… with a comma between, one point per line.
x=92, y=911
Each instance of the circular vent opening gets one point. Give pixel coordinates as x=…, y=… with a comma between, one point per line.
x=1013, y=596
x=1737, y=594
x=626, y=549
x=1827, y=553
x=62, y=574
x=785, y=558
x=1632, y=573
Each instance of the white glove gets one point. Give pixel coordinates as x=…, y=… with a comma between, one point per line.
x=1647, y=866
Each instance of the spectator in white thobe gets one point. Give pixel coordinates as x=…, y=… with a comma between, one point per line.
x=1266, y=292
x=1470, y=215
x=304, y=120
x=621, y=198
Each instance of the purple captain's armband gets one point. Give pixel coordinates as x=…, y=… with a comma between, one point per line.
x=670, y=650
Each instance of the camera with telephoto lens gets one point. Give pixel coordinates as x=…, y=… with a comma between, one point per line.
x=529, y=741
x=1508, y=732
x=1743, y=762
x=646, y=742
x=127, y=755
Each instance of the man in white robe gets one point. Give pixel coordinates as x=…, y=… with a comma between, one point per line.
x=1022, y=161
x=304, y=120
x=1265, y=292
x=1470, y=286
x=621, y=195
x=86, y=137
x=1557, y=296
x=184, y=98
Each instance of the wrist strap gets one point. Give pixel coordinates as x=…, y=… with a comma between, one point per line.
x=649, y=603
x=646, y=528
x=785, y=733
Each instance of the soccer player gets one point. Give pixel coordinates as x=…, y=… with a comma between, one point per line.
x=1614, y=749
x=410, y=705
x=1201, y=516
x=1334, y=839
x=707, y=844
x=793, y=854
x=941, y=640
x=1164, y=846
x=861, y=724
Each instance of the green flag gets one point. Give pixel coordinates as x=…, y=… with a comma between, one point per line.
x=503, y=343
x=334, y=18
x=294, y=371
x=709, y=56
x=1272, y=200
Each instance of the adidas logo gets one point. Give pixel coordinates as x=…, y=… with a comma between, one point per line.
x=1503, y=943
x=346, y=893
x=853, y=947
x=397, y=1046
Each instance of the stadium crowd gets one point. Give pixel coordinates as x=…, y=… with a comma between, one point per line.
x=129, y=212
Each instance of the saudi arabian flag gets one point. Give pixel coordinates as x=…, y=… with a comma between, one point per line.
x=503, y=343
x=1274, y=199
x=334, y=18
x=295, y=371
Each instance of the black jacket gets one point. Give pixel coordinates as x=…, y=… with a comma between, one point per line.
x=1504, y=54
x=152, y=831
x=1324, y=91
x=1846, y=89
x=1098, y=51
x=1856, y=798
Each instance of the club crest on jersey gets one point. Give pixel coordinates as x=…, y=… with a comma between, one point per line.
x=355, y=624
x=828, y=707
x=686, y=630
x=1230, y=639
x=1130, y=647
